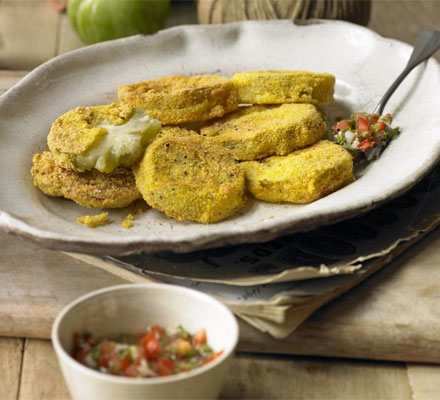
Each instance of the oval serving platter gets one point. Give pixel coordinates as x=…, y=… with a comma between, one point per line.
x=363, y=62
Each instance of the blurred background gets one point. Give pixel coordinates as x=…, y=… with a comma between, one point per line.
x=33, y=31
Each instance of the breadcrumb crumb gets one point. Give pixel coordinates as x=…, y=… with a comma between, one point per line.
x=92, y=221
x=127, y=224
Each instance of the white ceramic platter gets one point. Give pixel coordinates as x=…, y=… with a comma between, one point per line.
x=364, y=64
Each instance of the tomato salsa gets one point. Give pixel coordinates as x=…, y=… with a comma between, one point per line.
x=364, y=131
x=156, y=352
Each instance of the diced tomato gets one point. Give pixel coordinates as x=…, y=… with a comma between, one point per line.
x=199, y=337
x=131, y=370
x=165, y=353
x=157, y=330
x=76, y=337
x=362, y=125
x=125, y=362
x=151, y=345
x=141, y=353
x=118, y=364
x=152, y=350
x=341, y=125
x=373, y=118
x=81, y=356
x=147, y=337
x=103, y=362
x=365, y=145
x=164, y=367
x=106, y=347
x=381, y=126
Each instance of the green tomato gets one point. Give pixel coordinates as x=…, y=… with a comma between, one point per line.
x=98, y=20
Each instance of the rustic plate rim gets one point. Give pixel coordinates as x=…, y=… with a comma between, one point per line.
x=266, y=231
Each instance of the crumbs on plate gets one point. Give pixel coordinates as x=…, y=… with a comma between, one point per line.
x=127, y=223
x=92, y=221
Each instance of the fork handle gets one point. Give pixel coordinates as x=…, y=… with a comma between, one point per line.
x=427, y=43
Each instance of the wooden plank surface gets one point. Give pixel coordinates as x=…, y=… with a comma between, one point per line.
x=308, y=378
x=67, y=39
x=404, y=19
x=424, y=381
x=393, y=315
x=36, y=375
x=28, y=33
x=47, y=279
x=31, y=32
x=9, y=78
x=250, y=377
x=11, y=351
x=41, y=376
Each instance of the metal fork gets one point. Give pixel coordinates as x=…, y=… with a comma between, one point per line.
x=427, y=43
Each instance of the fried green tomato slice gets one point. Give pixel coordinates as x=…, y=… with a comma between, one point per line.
x=303, y=176
x=261, y=131
x=101, y=137
x=189, y=178
x=276, y=87
x=180, y=99
x=91, y=189
x=175, y=131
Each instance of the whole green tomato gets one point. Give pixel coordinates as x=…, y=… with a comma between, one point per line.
x=98, y=20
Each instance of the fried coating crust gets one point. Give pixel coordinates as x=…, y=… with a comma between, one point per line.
x=179, y=99
x=191, y=178
x=74, y=132
x=91, y=189
x=303, y=176
x=275, y=87
x=93, y=221
x=261, y=131
x=175, y=131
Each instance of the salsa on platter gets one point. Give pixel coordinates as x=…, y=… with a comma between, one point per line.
x=156, y=352
x=364, y=131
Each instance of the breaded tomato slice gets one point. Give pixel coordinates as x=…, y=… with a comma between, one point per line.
x=276, y=87
x=178, y=99
x=101, y=137
x=91, y=189
x=174, y=131
x=191, y=178
x=303, y=176
x=261, y=131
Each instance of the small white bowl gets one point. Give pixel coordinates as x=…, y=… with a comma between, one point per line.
x=130, y=308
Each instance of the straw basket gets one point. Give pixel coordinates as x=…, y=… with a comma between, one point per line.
x=220, y=11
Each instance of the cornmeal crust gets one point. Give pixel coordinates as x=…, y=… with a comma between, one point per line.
x=74, y=132
x=191, y=178
x=303, y=176
x=179, y=99
x=276, y=87
x=91, y=189
x=261, y=131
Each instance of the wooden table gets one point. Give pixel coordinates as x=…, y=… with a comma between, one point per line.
x=31, y=33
